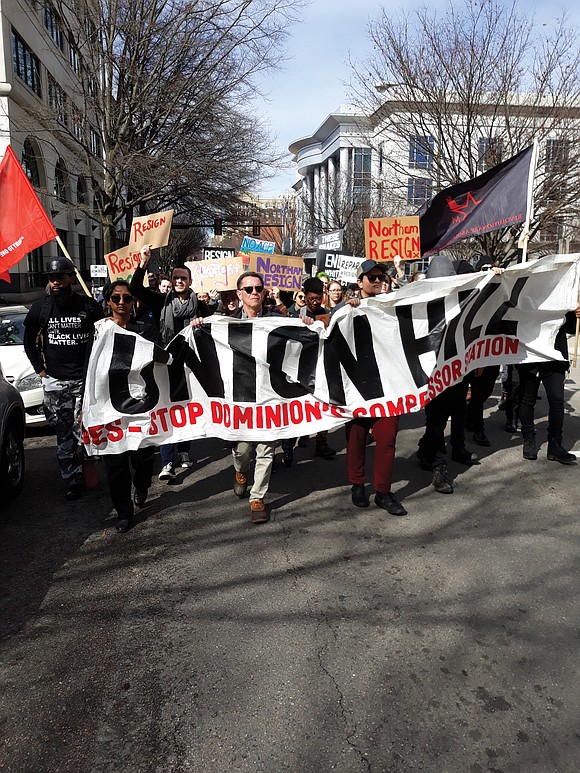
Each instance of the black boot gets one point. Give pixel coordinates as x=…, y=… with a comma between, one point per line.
x=359, y=496
x=558, y=454
x=529, y=450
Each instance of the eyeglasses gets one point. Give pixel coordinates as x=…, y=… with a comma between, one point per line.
x=376, y=277
x=125, y=298
x=253, y=288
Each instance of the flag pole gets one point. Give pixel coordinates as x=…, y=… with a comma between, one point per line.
x=575, y=360
x=525, y=235
x=77, y=272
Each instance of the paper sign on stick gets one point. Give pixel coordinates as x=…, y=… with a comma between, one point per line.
x=151, y=229
x=249, y=244
x=386, y=237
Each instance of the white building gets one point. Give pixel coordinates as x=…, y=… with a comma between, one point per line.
x=45, y=120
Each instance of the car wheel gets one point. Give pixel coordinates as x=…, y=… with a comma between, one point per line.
x=12, y=463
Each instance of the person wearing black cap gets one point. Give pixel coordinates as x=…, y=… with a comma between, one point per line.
x=449, y=404
x=57, y=332
x=370, y=281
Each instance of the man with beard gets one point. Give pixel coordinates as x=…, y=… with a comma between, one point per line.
x=57, y=332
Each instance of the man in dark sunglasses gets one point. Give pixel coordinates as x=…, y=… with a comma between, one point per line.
x=57, y=332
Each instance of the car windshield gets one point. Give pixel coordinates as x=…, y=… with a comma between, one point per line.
x=11, y=329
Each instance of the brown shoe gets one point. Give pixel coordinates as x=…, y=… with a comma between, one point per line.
x=240, y=484
x=258, y=511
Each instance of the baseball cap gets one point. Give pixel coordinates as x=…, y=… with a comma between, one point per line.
x=366, y=266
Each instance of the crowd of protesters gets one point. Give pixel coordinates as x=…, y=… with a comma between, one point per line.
x=58, y=337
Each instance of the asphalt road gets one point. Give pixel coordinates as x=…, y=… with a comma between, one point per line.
x=331, y=638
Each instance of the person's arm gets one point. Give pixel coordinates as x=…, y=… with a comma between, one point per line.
x=30, y=341
x=150, y=298
x=275, y=292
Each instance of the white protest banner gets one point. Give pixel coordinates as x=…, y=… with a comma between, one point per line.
x=280, y=271
x=122, y=263
x=273, y=377
x=249, y=244
x=386, y=237
x=219, y=274
x=151, y=229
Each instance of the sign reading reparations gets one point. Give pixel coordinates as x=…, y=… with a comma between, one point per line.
x=275, y=377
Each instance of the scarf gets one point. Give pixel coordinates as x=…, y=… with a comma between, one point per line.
x=175, y=309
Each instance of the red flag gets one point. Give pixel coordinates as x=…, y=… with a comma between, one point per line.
x=24, y=225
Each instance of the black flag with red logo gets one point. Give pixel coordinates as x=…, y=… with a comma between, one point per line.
x=496, y=199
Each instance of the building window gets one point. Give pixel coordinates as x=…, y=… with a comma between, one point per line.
x=421, y=152
x=81, y=192
x=99, y=257
x=53, y=25
x=419, y=190
x=95, y=144
x=557, y=155
x=57, y=101
x=25, y=64
x=82, y=252
x=361, y=177
x=30, y=164
x=36, y=277
x=490, y=152
x=73, y=58
x=60, y=186
x=77, y=123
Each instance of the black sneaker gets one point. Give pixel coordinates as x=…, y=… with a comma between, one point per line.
x=75, y=491
x=123, y=523
x=140, y=497
x=481, y=438
x=359, y=496
x=390, y=503
x=529, y=451
x=442, y=480
x=287, y=457
x=325, y=451
x=463, y=456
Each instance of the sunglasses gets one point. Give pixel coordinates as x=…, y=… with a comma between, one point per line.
x=299, y=297
x=376, y=277
x=125, y=298
x=254, y=288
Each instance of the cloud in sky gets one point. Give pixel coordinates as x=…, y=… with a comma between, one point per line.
x=313, y=80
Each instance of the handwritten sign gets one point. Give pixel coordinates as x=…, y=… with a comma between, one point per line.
x=386, y=237
x=249, y=244
x=219, y=274
x=151, y=229
x=278, y=270
x=122, y=263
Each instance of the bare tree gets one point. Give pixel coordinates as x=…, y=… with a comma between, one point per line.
x=165, y=109
x=476, y=84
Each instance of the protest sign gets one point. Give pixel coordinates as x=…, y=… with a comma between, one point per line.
x=249, y=244
x=330, y=241
x=151, y=229
x=219, y=274
x=332, y=263
x=386, y=237
x=98, y=270
x=215, y=253
x=275, y=377
x=122, y=263
x=348, y=269
x=280, y=271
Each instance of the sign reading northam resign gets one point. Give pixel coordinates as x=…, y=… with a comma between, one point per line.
x=282, y=271
x=151, y=229
x=386, y=237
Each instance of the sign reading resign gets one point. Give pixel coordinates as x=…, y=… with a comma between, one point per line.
x=122, y=263
x=386, y=237
x=249, y=244
x=151, y=229
x=214, y=253
x=278, y=270
x=273, y=377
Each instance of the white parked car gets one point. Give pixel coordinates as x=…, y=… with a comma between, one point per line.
x=16, y=365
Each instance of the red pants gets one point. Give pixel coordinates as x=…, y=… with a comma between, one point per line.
x=385, y=435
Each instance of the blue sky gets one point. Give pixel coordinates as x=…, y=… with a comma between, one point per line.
x=311, y=82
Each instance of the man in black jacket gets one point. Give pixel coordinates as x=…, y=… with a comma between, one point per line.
x=57, y=332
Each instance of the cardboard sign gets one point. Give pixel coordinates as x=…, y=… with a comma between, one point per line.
x=280, y=271
x=249, y=244
x=151, y=229
x=219, y=274
x=122, y=263
x=386, y=237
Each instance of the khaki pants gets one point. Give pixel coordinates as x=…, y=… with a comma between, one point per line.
x=242, y=455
